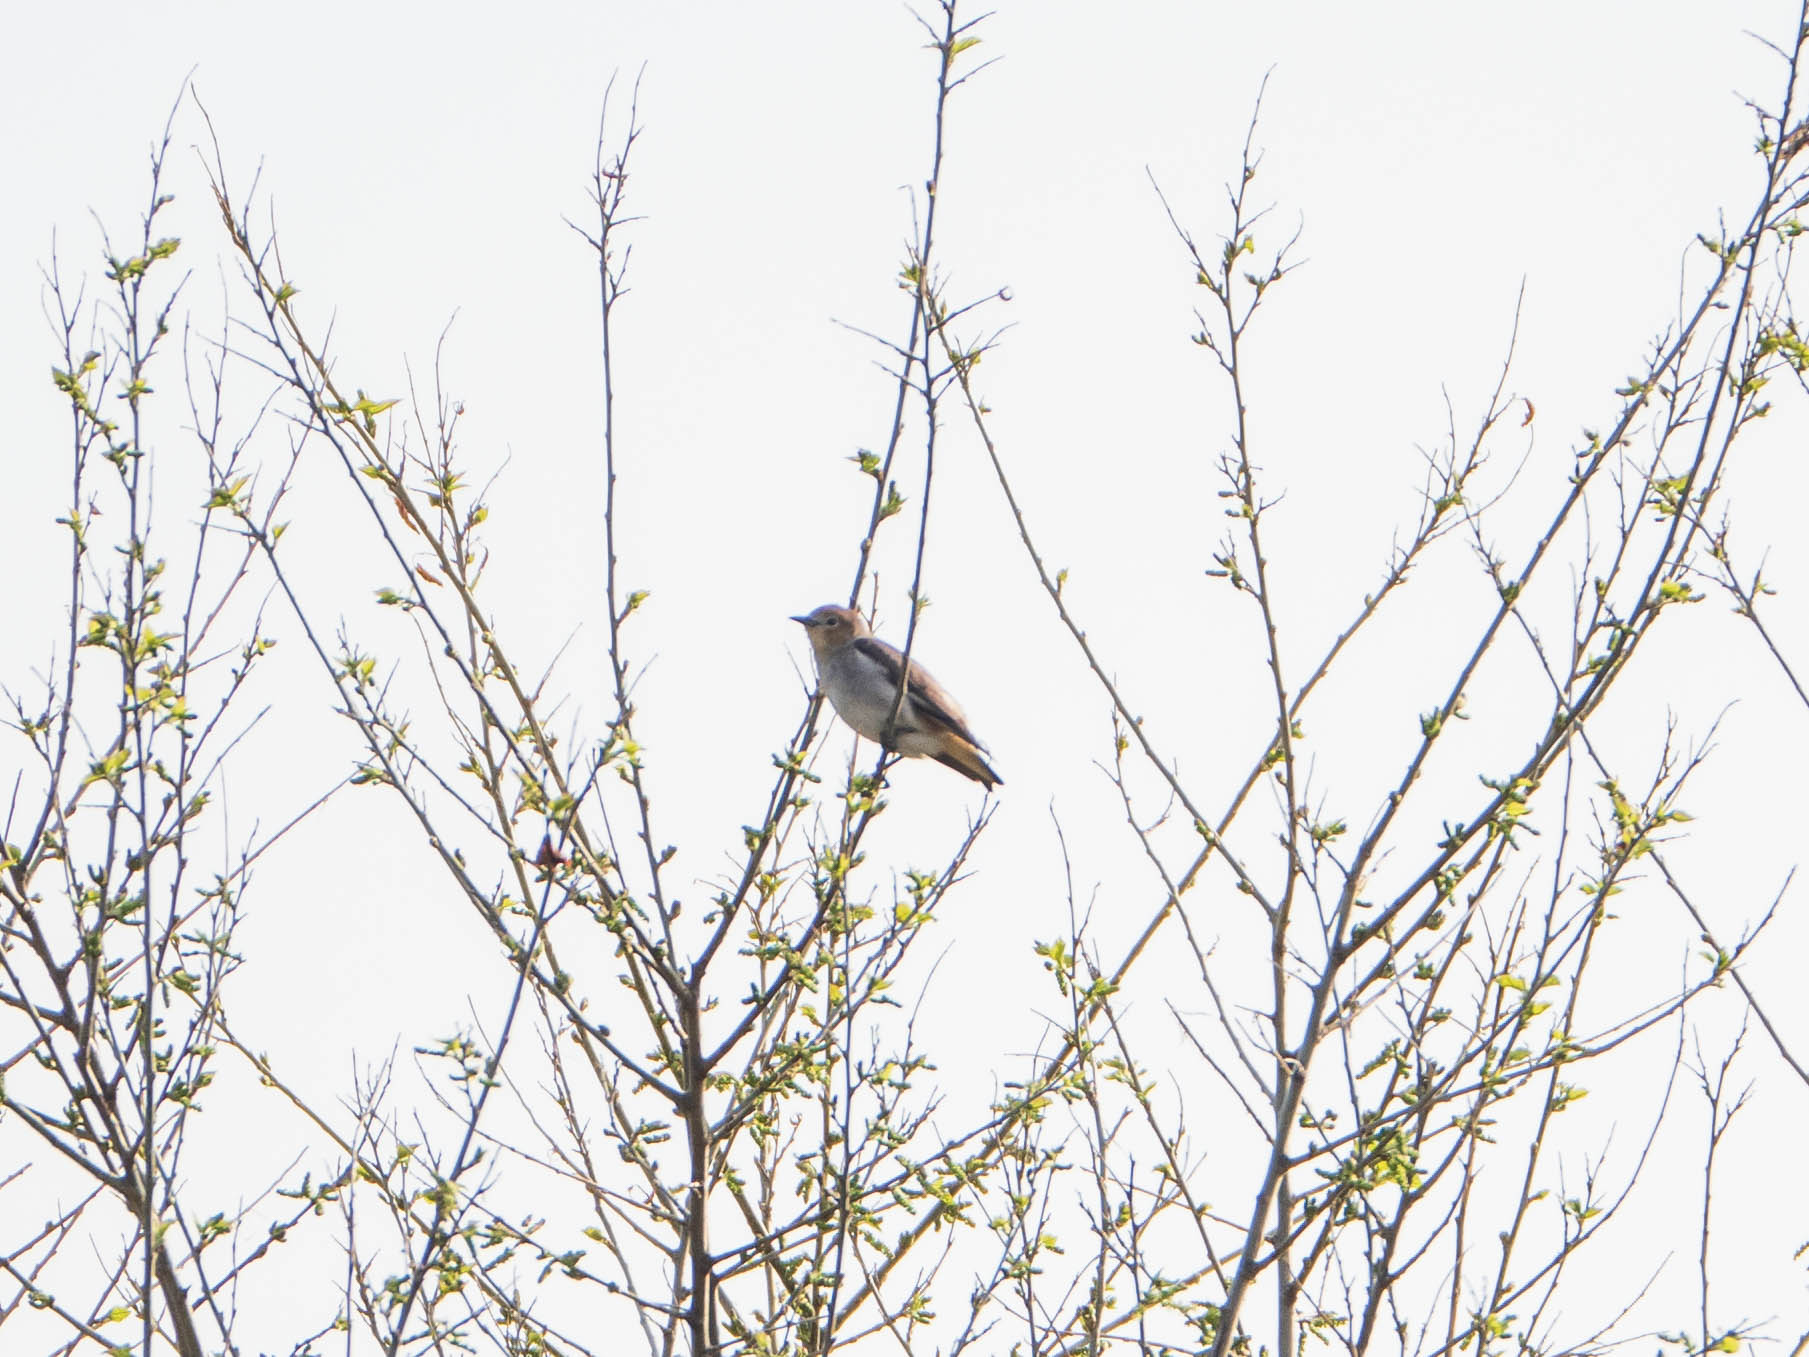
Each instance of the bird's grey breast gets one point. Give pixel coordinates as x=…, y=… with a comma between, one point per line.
x=863, y=688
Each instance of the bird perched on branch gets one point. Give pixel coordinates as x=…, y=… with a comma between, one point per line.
x=859, y=674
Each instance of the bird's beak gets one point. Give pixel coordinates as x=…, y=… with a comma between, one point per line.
x=802, y=621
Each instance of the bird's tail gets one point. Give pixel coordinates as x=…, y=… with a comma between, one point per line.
x=965, y=759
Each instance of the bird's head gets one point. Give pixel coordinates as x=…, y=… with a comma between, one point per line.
x=831, y=627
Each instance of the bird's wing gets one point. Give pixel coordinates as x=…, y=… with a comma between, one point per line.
x=927, y=695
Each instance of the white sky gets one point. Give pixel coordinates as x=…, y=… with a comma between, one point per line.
x=419, y=162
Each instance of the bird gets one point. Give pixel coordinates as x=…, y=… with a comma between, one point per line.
x=859, y=675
